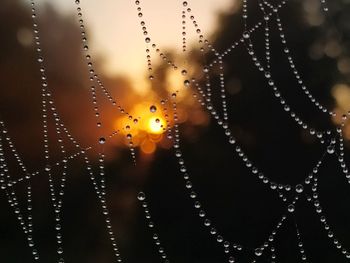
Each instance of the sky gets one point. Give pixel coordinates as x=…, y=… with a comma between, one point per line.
x=116, y=35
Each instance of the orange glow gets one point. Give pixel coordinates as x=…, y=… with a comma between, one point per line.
x=148, y=147
x=145, y=127
x=341, y=93
x=156, y=125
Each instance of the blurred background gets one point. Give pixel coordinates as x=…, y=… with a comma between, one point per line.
x=244, y=210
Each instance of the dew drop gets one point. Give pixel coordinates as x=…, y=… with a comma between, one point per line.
x=330, y=149
x=258, y=252
x=47, y=168
x=299, y=188
x=153, y=109
x=291, y=208
x=147, y=39
x=232, y=140
x=102, y=140
x=141, y=196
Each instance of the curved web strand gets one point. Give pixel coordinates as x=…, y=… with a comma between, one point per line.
x=24, y=218
x=291, y=63
x=315, y=202
x=98, y=179
x=151, y=225
x=48, y=106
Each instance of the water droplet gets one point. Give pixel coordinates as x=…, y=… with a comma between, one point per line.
x=219, y=239
x=184, y=3
x=232, y=140
x=246, y=35
x=187, y=83
x=184, y=72
x=206, y=69
x=141, y=196
x=258, y=251
x=330, y=149
x=153, y=109
x=291, y=208
x=299, y=188
x=147, y=39
x=102, y=140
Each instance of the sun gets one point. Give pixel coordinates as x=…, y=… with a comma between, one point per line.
x=156, y=125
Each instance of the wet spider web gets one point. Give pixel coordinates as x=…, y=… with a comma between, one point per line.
x=212, y=95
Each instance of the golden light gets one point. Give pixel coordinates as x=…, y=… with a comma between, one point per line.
x=145, y=126
x=156, y=125
x=341, y=94
x=175, y=82
x=148, y=146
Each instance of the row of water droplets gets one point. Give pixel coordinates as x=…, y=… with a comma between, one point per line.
x=7, y=183
x=24, y=217
x=155, y=236
x=299, y=188
x=231, y=140
x=95, y=80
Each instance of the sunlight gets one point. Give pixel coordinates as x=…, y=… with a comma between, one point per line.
x=156, y=125
x=146, y=127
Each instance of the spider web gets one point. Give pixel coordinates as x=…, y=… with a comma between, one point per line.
x=204, y=92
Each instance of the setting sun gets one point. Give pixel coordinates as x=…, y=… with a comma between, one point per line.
x=156, y=125
x=146, y=127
